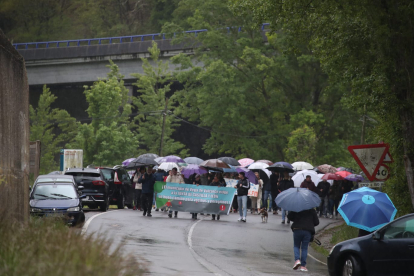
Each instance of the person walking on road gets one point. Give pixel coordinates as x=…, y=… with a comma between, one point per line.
x=174, y=178
x=267, y=195
x=148, y=182
x=243, y=186
x=336, y=194
x=256, y=201
x=274, y=182
x=323, y=189
x=216, y=182
x=308, y=184
x=303, y=228
x=137, y=187
x=196, y=181
x=284, y=184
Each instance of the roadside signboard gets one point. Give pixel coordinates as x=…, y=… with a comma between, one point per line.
x=370, y=158
x=376, y=184
x=71, y=158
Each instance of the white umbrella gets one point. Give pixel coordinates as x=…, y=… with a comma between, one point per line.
x=320, y=176
x=300, y=166
x=299, y=177
x=167, y=166
x=260, y=166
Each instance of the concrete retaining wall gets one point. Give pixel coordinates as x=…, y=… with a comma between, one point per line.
x=14, y=133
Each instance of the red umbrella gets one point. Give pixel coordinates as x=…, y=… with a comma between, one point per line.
x=270, y=163
x=343, y=173
x=332, y=176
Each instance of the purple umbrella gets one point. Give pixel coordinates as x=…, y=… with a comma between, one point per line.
x=191, y=169
x=126, y=162
x=248, y=173
x=355, y=177
x=171, y=158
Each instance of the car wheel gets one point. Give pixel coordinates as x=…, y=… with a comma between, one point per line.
x=121, y=201
x=105, y=205
x=352, y=266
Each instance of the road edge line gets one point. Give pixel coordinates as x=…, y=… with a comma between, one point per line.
x=210, y=267
x=86, y=225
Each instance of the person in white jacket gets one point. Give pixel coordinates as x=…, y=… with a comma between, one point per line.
x=256, y=201
x=174, y=177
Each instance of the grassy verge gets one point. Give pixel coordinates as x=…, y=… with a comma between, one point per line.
x=48, y=247
x=332, y=236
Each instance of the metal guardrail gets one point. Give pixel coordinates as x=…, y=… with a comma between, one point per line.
x=107, y=40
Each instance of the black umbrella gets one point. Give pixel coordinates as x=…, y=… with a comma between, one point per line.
x=277, y=167
x=230, y=161
x=151, y=155
x=141, y=161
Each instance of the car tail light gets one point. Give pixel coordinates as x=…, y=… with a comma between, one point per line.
x=98, y=183
x=116, y=179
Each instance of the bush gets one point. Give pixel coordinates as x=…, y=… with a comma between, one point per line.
x=48, y=247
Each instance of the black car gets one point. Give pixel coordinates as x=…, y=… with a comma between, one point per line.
x=387, y=251
x=120, y=188
x=57, y=197
x=95, y=187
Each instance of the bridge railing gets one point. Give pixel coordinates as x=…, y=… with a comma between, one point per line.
x=108, y=40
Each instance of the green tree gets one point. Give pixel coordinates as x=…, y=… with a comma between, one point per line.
x=52, y=127
x=108, y=139
x=155, y=125
x=366, y=45
x=247, y=92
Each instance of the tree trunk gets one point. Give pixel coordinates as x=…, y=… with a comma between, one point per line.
x=408, y=136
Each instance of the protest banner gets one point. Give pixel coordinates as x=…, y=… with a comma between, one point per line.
x=197, y=199
x=230, y=183
x=160, y=202
x=254, y=190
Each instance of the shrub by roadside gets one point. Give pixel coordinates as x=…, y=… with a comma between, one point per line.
x=48, y=247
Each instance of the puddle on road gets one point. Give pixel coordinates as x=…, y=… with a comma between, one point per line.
x=145, y=241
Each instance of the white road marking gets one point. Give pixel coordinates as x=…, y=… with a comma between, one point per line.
x=316, y=259
x=212, y=268
x=86, y=225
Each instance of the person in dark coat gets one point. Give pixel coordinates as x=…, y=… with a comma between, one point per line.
x=336, y=193
x=216, y=182
x=274, y=181
x=308, y=184
x=148, y=182
x=284, y=184
x=323, y=190
x=303, y=228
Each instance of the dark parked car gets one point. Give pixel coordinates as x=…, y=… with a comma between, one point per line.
x=387, y=251
x=57, y=196
x=95, y=187
x=120, y=188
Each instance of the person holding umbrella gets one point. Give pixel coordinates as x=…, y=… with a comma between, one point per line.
x=174, y=178
x=137, y=187
x=274, y=184
x=216, y=182
x=148, y=181
x=196, y=181
x=308, y=184
x=303, y=228
x=300, y=203
x=243, y=186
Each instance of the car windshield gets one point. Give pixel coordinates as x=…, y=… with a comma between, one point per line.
x=54, y=191
x=79, y=176
x=48, y=180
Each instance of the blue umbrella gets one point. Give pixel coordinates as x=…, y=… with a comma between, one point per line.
x=231, y=170
x=127, y=161
x=367, y=209
x=297, y=199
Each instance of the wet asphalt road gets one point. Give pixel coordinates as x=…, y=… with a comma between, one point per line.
x=181, y=246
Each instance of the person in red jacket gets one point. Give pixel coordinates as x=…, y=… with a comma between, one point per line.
x=308, y=184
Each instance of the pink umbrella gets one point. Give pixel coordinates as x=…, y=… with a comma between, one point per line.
x=332, y=176
x=325, y=168
x=246, y=162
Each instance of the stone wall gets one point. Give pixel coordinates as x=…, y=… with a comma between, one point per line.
x=14, y=133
